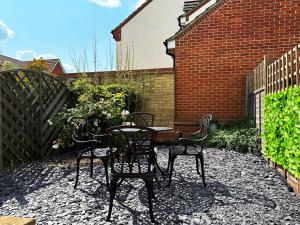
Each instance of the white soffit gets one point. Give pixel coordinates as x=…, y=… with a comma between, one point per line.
x=201, y=10
x=171, y=44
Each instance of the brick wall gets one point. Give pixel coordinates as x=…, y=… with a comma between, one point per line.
x=160, y=101
x=57, y=69
x=213, y=56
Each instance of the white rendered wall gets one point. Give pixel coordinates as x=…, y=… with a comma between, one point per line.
x=143, y=36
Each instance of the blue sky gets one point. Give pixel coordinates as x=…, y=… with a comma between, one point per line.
x=55, y=28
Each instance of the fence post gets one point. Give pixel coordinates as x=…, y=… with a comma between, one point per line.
x=41, y=150
x=266, y=63
x=247, y=94
x=1, y=147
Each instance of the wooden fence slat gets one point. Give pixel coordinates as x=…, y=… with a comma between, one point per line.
x=297, y=75
x=292, y=66
x=282, y=71
x=1, y=146
x=27, y=99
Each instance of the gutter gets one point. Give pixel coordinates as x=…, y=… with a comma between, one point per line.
x=168, y=52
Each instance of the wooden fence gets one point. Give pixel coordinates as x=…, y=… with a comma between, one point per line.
x=271, y=77
x=28, y=101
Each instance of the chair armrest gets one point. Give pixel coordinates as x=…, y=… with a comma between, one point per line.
x=98, y=137
x=185, y=134
x=191, y=141
x=86, y=141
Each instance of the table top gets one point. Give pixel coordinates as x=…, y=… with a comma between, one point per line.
x=158, y=129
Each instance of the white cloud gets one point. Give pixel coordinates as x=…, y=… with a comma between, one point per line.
x=107, y=3
x=139, y=3
x=5, y=31
x=25, y=54
x=46, y=56
x=31, y=54
x=69, y=68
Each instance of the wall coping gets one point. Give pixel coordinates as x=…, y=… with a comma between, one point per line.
x=154, y=71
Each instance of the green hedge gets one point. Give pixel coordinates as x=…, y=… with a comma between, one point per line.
x=240, y=136
x=282, y=129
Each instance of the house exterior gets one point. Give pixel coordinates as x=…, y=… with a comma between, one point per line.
x=139, y=38
x=54, y=65
x=217, y=44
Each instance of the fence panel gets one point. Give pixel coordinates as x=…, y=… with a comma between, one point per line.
x=28, y=100
x=271, y=77
x=284, y=72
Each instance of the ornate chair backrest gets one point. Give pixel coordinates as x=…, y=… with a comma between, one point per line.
x=135, y=148
x=141, y=119
x=204, y=125
x=80, y=132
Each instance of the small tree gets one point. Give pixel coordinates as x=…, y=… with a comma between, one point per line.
x=37, y=65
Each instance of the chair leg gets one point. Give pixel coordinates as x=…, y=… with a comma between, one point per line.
x=172, y=159
x=168, y=163
x=149, y=186
x=156, y=179
x=92, y=166
x=202, y=168
x=158, y=167
x=77, y=172
x=197, y=164
x=113, y=188
x=105, y=164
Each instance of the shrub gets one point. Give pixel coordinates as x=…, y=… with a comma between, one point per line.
x=133, y=98
x=7, y=65
x=282, y=129
x=238, y=135
x=94, y=103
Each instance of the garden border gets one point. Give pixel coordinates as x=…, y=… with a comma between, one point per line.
x=292, y=181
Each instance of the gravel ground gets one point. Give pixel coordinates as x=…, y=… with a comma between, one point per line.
x=240, y=190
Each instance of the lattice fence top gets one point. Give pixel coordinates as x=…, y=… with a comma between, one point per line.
x=28, y=100
x=280, y=74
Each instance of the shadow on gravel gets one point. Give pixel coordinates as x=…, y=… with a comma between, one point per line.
x=182, y=199
x=23, y=181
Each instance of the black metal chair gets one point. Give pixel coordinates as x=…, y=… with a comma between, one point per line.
x=89, y=146
x=144, y=119
x=190, y=144
x=135, y=150
x=141, y=119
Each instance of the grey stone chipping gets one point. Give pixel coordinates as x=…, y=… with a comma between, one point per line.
x=240, y=190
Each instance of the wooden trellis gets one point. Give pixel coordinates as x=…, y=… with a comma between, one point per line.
x=270, y=77
x=29, y=100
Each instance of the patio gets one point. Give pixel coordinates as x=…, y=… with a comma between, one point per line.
x=240, y=190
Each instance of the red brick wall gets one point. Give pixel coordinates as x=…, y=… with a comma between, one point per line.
x=58, y=70
x=213, y=57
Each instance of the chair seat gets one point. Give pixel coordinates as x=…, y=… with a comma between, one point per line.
x=135, y=168
x=98, y=152
x=179, y=150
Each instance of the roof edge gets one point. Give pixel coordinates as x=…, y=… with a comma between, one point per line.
x=194, y=9
x=116, y=32
x=216, y=6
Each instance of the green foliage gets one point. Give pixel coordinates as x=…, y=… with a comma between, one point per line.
x=238, y=135
x=100, y=106
x=6, y=65
x=282, y=129
x=135, y=84
x=133, y=98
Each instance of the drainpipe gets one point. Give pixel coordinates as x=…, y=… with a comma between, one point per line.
x=179, y=22
x=169, y=53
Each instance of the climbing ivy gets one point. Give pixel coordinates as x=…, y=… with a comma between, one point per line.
x=282, y=129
